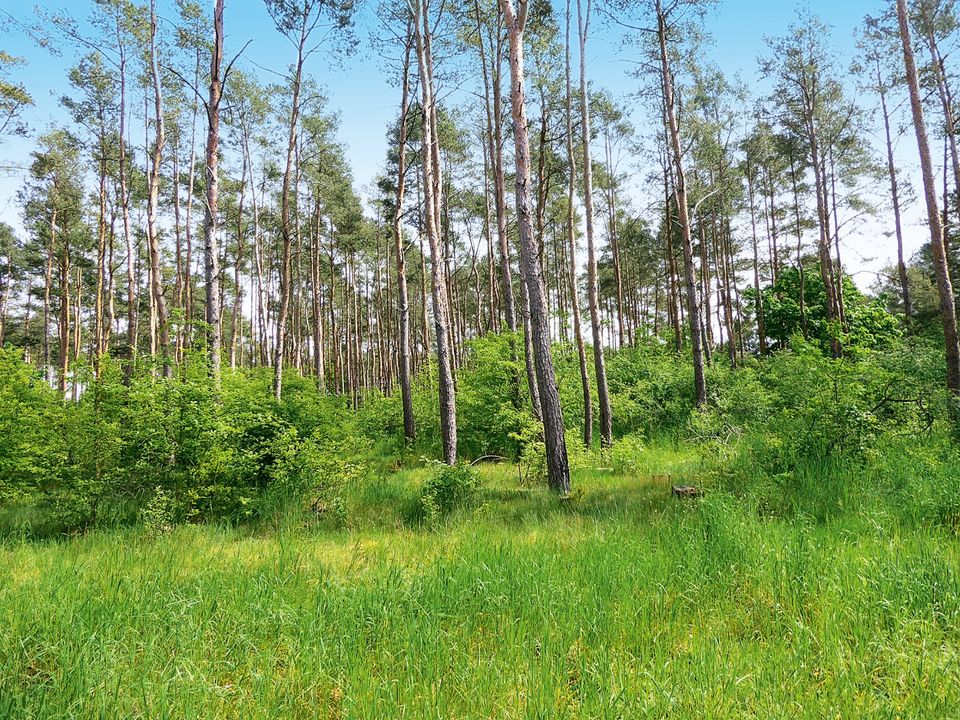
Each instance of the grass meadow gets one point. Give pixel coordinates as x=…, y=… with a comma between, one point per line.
x=620, y=602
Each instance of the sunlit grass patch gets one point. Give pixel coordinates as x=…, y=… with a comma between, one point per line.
x=618, y=602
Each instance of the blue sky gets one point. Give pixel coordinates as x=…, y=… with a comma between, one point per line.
x=362, y=95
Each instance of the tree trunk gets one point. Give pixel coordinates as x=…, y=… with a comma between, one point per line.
x=99, y=331
x=179, y=286
x=431, y=185
x=944, y=285
x=895, y=198
x=622, y=336
x=558, y=468
x=132, y=315
x=530, y=363
x=761, y=325
x=706, y=286
x=572, y=257
x=946, y=102
x=800, y=268
x=156, y=278
x=236, y=316
x=47, y=291
x=838, y=266
x=494, y=140
x=603, y=394
x=823, y=245
x=673, y=307
x=286, y=230
x=403, y=300
x=64, y=317
x=188, y=228
x=680, y=188
x=211, y=257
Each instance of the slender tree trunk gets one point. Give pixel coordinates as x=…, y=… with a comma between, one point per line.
x=493, y=317
x=431, y=185
x=99, y=297
x=132, y=315
x=5, y=286
x=47, y=291
x=823, y=246
x=622, y=336
x=403, y=300
x=774, y=252
x=260, y=311
x=725, y=269
x=536, y=402
x=156, y=278
x=179, y=288
x=680, y=188
x=673, y=308
x=64, y=318
x=494, y=136
x=499, y=183
x=211, y=253
x=111, y=281
x=800, y=268
x=944, y=285
x=706, y=291
x=946, y=102
x=761, y=325
x=558, y=468
x=319, y=360
x=572, y=253
x=286, y=229
x=236, y=314
x=188, y=228
x=838, y=276
x=895, y=198
x=603, y=394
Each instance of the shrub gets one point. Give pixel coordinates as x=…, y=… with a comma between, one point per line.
x=651, y=390
x=626, y=453
x=160, y=514
x=447, y=488
x=332, y=469
x=489, y=413
x=532, y=458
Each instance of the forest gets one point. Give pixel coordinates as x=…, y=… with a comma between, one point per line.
x=605, y=397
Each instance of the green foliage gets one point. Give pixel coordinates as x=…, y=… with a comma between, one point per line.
x=121, y=449
x=869, y=326
x=490, y=414
x=626, y=454
x=212, y=621
x=31, y=449
x=159, y=515
x=333, y=467
x=831, y=505
x=447, y=488
x=798, y=407
x=14, y=97
x=124, y=451
x=532, y=459
x=651, y=390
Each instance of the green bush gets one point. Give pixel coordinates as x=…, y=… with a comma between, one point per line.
x=651, y=390
x=492, y=404
x=785, y=431
x=626, y=454
x=332, y=469
x=447, y=488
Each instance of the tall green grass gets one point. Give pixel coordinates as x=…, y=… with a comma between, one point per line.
x=618, y=603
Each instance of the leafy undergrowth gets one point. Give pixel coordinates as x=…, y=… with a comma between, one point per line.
x=618, y=602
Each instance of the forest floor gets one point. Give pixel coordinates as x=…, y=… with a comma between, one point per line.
x=621, y=602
